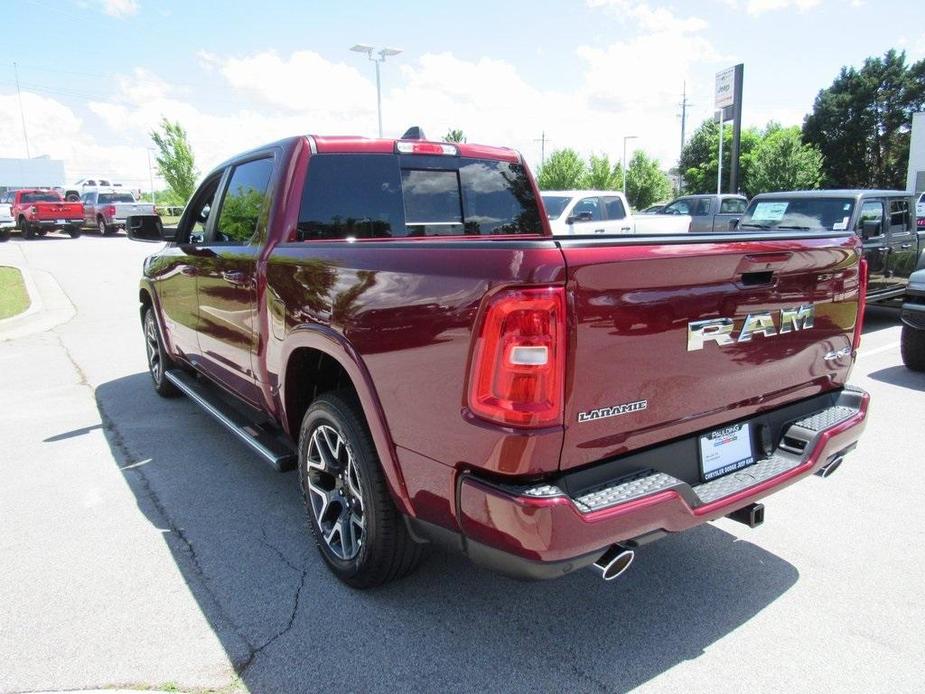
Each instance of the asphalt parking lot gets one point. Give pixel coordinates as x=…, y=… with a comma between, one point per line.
x=142, y=547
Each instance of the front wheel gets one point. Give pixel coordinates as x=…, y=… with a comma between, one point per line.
x=359, y=532
x=158, y=361
x=912, y=347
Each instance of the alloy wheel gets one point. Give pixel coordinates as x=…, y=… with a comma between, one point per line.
x=152, y=346
x=335, y=493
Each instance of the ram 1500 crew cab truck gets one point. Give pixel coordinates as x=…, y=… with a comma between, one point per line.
x=395, y=319
x=40, y=211
x=581, y=212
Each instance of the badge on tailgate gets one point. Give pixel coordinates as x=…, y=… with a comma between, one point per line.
x=720, y=329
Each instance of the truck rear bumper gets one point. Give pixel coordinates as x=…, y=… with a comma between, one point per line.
x=541, y=532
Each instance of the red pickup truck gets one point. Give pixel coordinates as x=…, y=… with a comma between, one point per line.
x=39, y=211
x=395, y=319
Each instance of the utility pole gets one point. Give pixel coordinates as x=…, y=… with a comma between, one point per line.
x=719, y=167
x=543, y=140
x=22, y=114
x=736, y=129
x=150, y=175
x=382, y=53
x=628, y=137
x=684, y=104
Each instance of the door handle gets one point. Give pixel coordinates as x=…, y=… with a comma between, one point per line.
x=626, y=228
x=598, y=231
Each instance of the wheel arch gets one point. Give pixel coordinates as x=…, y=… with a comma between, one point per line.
x=324, y=355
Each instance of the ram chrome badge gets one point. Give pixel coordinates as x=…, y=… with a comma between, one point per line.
x=721, y=330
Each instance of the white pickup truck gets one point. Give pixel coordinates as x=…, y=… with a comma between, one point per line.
x=6, y=218
x=582, y=212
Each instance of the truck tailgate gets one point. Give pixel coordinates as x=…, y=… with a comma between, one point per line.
x=638, y=378
x=58, y=210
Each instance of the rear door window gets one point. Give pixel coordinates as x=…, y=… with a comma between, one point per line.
x=614, y=207
x=732, y=206
x=900, y=220
x=392, y=196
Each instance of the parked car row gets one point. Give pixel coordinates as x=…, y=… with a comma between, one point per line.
x=890, y=223
x=35, y=212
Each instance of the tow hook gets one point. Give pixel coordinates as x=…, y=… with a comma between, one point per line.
x=751, y=515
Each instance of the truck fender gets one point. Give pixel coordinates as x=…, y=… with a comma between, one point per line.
x=336, y=346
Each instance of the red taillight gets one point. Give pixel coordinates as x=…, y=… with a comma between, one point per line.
x=862, y=304
x=406, y=147
x=110, y=211
x=518, y=364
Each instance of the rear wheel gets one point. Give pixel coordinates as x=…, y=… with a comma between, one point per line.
x=101, y=226
x=4, y=235
x=359, y=532
x=913, y=348
x=73, y=231
x=158, y=361
x=26, y=228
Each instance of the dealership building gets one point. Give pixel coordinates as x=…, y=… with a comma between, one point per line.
x=37, y=172
x=915, y=179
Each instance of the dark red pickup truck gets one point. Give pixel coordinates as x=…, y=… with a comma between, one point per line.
x=394, y=319
x=40, y=211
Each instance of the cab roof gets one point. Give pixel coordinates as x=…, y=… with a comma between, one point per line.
x=353, y=144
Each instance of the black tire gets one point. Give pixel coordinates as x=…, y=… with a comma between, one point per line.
x=158, y=360
x=73, y=231
x=26, y=228
x=4, y=235
x=102, y=227
x=913, y=348
x=72, y=197
x=383, y=551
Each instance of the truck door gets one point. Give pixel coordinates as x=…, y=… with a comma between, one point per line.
x=586, y=217
x=903, y=243
x=618, y=222
x=227, y=279
x=174, y=273
x=730, y=211
x=876, y=245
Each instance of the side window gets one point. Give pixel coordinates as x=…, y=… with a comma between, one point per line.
x=351, y=195
x=871, y=213
x=245, y=203
x=615, y=208
x=585, y=207
x=899, y=215
x=193, y=222
x=702, y=207
x=732, y=206
x=678, y=207
x=87, y=198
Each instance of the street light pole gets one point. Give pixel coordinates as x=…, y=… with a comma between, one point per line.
x=628, y=137
x=379, y=57
x=150, y=175
x=719, y=167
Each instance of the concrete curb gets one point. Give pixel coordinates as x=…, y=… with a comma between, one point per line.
x=49, y=306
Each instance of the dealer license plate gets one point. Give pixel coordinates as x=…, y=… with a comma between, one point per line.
x=725, y=450
x=61, y=221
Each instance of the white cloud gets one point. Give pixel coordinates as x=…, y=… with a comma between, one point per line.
x=756, y=7
x=119, y=8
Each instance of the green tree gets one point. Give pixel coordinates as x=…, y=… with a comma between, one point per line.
x=601, y=175
x=175, y=162
x=783, y=162
x=700, y=157
x=646, y=183
x=563, y=170
x=454, y=135
x=861, y=122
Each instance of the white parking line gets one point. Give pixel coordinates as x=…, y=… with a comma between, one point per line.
x=884, y=348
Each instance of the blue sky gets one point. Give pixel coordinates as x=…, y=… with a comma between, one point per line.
x=587, y=72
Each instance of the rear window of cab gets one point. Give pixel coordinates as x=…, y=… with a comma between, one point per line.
x=357, y=196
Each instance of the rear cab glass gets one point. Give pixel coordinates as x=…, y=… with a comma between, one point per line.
x=799, y=214
x=360, y=196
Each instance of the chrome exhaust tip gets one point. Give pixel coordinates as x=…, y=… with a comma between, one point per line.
x=613, y=562
x=830, y=466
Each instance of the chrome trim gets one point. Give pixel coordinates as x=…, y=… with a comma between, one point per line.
x=313, y=148
x=207, y=406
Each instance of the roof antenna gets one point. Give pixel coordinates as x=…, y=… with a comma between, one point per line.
x=414, y=133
